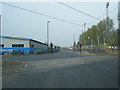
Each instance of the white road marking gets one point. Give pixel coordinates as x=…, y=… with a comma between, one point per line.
x=2, y=77
x=21, y=68
x=25, y=65
x=16, y=71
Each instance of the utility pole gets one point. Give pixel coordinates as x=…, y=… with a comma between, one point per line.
x=104, y=41
x=83, y=32
x=74, y=42
x=119, y=27
x=82, y=42
x=82, y=38
x=98, y=39
x=106, y=32
x=48, y=32
x=0, y=25
x=89, y=44
x=119, y=15
x=84, y=26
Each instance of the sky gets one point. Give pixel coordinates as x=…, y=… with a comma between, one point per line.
x=20, y=23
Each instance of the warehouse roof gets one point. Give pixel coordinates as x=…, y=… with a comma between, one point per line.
x=22, y=39
x=16, y=37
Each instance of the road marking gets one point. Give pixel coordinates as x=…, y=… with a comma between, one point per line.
x=21, y=68
x=25, y=65
x=15, y=71
x=2, y=77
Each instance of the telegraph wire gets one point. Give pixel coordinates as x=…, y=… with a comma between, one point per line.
x=40, y=14
x=77, y=10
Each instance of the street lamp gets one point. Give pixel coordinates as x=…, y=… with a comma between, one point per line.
x=107, y=5
x=48, y=32
x=89, y=44
x=84, y=26
x=89, y=41
x=74, y=42
x=98, y=39
x=104, y=42
x=82, y=37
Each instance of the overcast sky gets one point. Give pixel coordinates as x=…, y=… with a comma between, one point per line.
x=20, y=23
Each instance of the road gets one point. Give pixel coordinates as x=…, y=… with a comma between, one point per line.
x=64, y=70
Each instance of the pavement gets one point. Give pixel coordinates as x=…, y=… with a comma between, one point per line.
x=97, y=53
x=64, y=70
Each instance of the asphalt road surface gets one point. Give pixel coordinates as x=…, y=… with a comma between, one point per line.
x=38, y=57
x=64, y=70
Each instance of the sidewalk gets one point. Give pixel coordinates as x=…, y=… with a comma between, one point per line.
x=97, y=53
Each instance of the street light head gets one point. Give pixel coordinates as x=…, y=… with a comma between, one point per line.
x=107, y=5
x=48, y=21
x=84, y=23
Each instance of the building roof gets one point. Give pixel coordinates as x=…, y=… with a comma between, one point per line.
x=21, y=38
x=16, y=37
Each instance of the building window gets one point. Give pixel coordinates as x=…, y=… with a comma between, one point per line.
x=32, y=46
x=17, y=45
x=1, y=45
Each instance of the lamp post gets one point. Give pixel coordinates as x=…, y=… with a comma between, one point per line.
x=48, y=32
x=83, y=42
x=107, y=5
x=82, y=37
x=98, y=39
x=74, y=42
x=89, y=44
x=0, y=23
x=119, y=27
x=104, y=41
x=84, y=26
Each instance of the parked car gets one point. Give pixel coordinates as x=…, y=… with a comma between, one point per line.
x=18, y=51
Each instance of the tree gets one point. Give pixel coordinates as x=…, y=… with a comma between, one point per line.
x=113, y=39
x=102, y=29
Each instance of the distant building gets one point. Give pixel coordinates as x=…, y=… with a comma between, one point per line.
x=8, y=44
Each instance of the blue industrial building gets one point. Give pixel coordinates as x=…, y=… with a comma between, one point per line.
x=27, y=45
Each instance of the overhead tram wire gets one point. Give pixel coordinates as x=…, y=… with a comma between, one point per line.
x=104, y=15
x=77, y=10
x=41, y=14
x=84, y=12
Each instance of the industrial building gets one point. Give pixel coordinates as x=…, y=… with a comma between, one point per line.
x=28, y=45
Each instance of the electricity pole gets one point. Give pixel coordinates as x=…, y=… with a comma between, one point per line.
x=84, y=26
x=106, y=33
x=119, y=27
x=81, y=37
x=74, y=42
x=0, y=25
x=119, y=15
x=48, y=32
